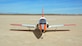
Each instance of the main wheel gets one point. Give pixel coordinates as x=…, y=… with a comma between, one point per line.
x=47, y=25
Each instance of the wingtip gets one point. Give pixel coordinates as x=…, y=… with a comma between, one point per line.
x=16, y=24
x=69, y=24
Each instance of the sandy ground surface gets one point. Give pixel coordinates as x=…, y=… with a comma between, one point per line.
x=25, y=38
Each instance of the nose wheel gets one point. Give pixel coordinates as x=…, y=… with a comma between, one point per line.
x=42, y=30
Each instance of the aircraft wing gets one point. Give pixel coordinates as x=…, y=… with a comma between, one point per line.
x=61, y=25
x=25, y=25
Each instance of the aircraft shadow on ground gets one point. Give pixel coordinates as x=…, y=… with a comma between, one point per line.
x=37, y=32
x=57, y=30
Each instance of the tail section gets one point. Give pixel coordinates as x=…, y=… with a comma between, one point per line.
x=42, y=12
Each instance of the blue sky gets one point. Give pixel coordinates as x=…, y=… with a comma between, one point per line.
x=35, y=6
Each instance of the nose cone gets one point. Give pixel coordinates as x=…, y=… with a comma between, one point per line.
x=43, y=27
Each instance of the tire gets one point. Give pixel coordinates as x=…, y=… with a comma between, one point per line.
x=47, y=25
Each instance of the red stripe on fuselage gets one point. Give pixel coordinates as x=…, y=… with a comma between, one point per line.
x=40, y=27
x=45, y=27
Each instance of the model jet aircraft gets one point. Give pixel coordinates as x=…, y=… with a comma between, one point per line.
x=42, y=25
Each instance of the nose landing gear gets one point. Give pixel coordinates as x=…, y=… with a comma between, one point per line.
x=42, y=30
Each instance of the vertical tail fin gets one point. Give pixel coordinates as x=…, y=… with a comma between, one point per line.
x=42, y=12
